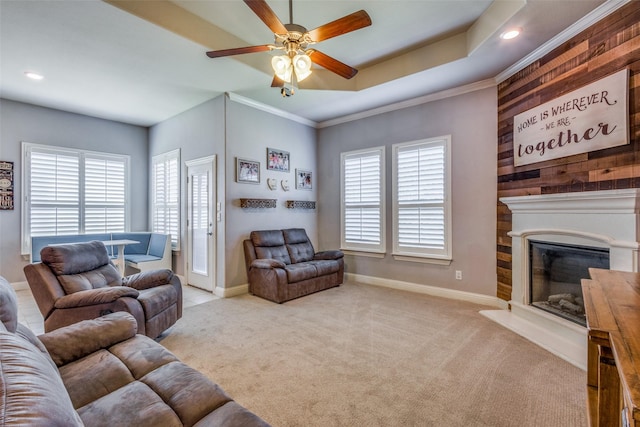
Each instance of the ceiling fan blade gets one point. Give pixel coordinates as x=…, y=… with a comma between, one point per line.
x=331, y=64
x=264, y=12
x=346, y=24
x=239, y=50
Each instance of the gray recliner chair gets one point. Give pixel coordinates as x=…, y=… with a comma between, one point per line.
x=78, y=281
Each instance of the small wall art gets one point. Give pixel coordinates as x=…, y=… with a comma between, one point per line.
x=247, y=171
x=277, y=160
x=6, y=185
x=272, y=183
x=304, y=180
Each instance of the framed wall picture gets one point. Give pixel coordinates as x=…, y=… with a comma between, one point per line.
x=247, y=171
x=304, y=180
x=277, y=160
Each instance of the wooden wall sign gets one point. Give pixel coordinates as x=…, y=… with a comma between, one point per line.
x=588, y=119
x=6, y=185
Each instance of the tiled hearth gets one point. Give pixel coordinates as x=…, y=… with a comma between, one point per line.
x=598, y=219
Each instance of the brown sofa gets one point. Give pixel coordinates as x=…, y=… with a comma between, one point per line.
x=77, y=281
x=283, y=265
x=100, y=373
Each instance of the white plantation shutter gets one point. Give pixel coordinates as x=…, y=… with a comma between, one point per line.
x=72, y=192
x=362, y=200
x=421, y=199
x=105, y=194
x=54, y=195
x=165, y=216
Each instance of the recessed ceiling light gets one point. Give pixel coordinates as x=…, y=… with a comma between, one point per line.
x=511, y=34
x=33, y=75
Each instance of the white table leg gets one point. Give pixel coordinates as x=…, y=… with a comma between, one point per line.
x=121, y=265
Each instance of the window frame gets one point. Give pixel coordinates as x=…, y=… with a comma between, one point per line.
x=166, y=158
x=417, y=254
x=82, y=155
x=364, y=248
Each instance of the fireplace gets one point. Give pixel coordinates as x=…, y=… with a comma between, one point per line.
x=602, y=222
x=555, y=274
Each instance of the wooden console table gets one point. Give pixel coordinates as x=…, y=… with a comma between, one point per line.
x=612, y=305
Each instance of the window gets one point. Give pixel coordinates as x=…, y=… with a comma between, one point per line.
x=72, y=192
x=165, y=209
x=421, y=211
x=363, y=200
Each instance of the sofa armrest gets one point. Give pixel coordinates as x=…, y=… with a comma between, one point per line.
x=335, y=254
x=80, y=339
x=150, y=279
x=267, y=263
x=95, y=296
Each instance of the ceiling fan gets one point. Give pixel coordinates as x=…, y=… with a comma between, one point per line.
x=294, y=40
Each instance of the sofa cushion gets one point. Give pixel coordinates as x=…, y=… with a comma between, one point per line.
x=230, y=414
x=142, y=355
x=101, y=277
x=188, y=392
x=141, y=258
x=135, y=404
x=298, y=245
x=75, y=258
x=30, y=387
x=325, y=267
x=300, y=271
x=83, y=338
x=111, y=375
x=157, y=244
x=270, y=244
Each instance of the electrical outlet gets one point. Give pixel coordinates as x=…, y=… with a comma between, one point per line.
x=458, y=275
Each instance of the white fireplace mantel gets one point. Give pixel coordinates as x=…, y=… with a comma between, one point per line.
x=589, y=202
x=606, y=219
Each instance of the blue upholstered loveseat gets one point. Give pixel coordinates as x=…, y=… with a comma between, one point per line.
x=153, y=251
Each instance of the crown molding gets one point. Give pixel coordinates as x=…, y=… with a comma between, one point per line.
x=269, y=109
x=582, y=24
x=472, y=87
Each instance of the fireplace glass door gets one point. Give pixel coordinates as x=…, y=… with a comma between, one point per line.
x=555, y=271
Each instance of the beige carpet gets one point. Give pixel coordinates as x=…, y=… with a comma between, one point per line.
x=361, y=355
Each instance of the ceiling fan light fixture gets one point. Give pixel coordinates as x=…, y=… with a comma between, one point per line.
x=302, y=66
x=282, y=67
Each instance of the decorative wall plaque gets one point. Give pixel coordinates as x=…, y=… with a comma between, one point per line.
x=258, y=203
x=591, y=118
x=301, y=204
x=6, y=185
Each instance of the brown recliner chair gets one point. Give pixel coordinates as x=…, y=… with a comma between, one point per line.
x=77, y=281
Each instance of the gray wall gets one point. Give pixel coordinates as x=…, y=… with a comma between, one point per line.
x=198, y=132
x=229, y=130
x=471, y=121
x=24, y=122
x=249, y=133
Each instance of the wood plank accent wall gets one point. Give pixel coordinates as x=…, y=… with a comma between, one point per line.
x=606, y=47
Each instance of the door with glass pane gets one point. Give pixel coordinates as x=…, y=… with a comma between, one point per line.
x=200, y=223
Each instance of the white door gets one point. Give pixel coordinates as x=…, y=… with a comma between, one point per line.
x=200, y=223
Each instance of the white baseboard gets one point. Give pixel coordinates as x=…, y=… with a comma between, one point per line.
x=20, y=286
x=233, y=291
x=429, y=290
